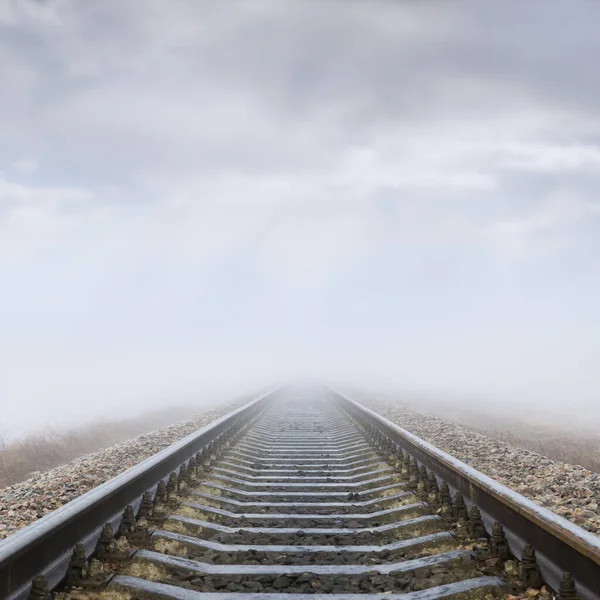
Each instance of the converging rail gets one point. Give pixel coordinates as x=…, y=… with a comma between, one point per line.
x=299, y=493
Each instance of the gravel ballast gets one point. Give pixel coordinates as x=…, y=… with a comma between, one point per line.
x=25, y=502
x=570, y=491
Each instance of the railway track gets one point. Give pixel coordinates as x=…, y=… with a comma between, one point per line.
x=299, y=493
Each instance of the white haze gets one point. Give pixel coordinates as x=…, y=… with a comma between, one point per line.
x=204, y=198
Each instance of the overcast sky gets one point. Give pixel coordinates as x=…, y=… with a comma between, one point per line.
x=217, y=194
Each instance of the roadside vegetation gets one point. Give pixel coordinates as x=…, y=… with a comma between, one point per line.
x=41, y=451
x=572, y=447
x=557, y=436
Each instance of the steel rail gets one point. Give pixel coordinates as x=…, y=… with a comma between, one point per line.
x=217, y=538
x=45, y=547
x=560, y=545
x=290, y=439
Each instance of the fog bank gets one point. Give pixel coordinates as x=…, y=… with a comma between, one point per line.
x=199, y=200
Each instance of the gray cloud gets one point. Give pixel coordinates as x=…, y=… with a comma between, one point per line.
x=327, y=187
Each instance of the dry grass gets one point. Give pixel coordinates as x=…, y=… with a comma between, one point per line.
x=555, y=435
x=43, y=451
x=572, y=447
x=566, y=442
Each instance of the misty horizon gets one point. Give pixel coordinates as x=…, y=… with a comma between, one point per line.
x=201, y=200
